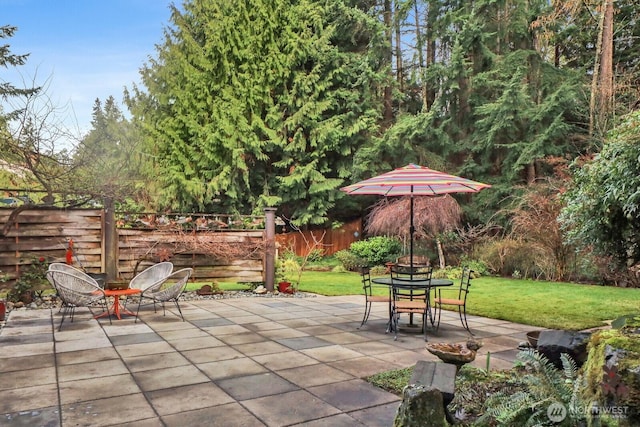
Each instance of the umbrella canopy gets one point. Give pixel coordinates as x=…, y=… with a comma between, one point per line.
x=414, y=180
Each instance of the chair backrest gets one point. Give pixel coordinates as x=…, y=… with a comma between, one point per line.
x=366, y=280
x=418, y=260
x=74, y=288
x=65, y=268
x=151, y=275
x=406, y=291
x=402, y=272
x=465, y=283
x=403, y=283
x=171, y=286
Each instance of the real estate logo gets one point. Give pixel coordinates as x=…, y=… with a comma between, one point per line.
x=556, y=412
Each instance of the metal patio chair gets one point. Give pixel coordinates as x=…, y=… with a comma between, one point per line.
x=460, y=302
x=76, y=289
x=369, y=298
x=168, y=289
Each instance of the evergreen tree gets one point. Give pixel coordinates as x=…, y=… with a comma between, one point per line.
x=257, y=105
x=8, y=59
x=109, y=159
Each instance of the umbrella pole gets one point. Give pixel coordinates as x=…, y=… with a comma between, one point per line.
x=411, y=231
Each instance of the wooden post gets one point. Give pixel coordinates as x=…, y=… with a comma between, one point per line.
x=110, y=241
x=270, y=249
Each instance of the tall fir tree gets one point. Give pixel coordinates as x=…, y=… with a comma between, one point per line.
x=248, y=106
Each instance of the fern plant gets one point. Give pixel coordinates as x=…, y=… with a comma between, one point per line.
x=543, y=385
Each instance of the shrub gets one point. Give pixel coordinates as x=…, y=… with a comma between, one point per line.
x=349, y=260
x=449, y=272
x=477, y=266
x=378, y=270
x=376, y=250
x=506, y=256
x=32, y=278
x=315, y=255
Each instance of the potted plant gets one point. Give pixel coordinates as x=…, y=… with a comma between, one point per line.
x=288, y=275
x=32, y=279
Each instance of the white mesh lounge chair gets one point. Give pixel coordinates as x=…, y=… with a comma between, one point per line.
x=151, y=275
x=76, y=289
x=167, y=289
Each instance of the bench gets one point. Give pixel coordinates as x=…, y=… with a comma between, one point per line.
x=436, y=375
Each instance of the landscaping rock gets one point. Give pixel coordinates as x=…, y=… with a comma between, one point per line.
x=421, y=406
x=552, y=344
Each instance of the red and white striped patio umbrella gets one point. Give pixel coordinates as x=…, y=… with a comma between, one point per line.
x=414, y=180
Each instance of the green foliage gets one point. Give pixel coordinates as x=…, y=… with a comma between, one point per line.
x=478, y=267
x=603, y=205
x=8, y=59
x=289, y=270
x=543, y=385
x=31, y=279
x=393, y=381
x=349, y=260
x=315, y=255
x=110, y=159
x=377, y=250
x=505, y=256
x=239, y=119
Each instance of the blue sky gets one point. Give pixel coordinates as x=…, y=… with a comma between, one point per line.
x=87, y=49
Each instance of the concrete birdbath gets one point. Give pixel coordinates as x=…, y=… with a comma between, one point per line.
x=456, y=354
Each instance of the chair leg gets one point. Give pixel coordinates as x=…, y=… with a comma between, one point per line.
x=179, y=310
x=394, y=325
x=462, y=311
x=424, y=323
x=64, y=313
x=138, y=311
x=438, y=309
x=365, y=317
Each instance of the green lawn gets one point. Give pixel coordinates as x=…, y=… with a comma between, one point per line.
x=546, y=304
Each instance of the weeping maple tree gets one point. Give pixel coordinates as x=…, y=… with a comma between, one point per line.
x=432, y=216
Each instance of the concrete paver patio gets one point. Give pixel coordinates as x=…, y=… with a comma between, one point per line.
x=253, y=361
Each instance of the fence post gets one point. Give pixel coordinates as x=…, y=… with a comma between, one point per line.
x=110, y=240
x=270, y=248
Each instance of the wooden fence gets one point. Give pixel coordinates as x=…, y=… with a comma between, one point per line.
x=238, y=255
x=214, y=255
x=329, y=241
x=45, y=233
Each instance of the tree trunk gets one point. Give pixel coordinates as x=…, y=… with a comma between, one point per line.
x=440, y=254
x=419, y=47
x=430, y=44
x=388, y=104
x=602, y=82
x=399, y=65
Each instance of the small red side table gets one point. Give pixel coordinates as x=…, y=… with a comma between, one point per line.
x=116, y=308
